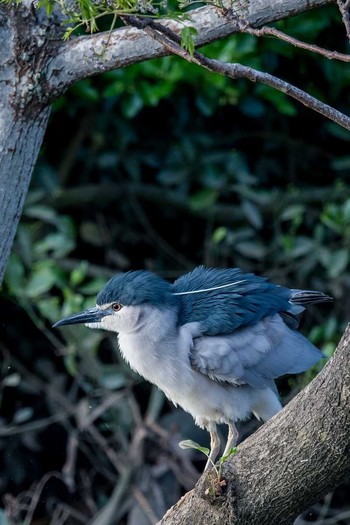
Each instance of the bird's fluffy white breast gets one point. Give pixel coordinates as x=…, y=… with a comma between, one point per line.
x=160, y=353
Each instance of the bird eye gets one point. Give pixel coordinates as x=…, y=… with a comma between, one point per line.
x=116, y=307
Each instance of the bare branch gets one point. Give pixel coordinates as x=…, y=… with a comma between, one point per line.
x=272, y=31
x=171, y=41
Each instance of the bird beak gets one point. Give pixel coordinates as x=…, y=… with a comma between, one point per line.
x=92, y=315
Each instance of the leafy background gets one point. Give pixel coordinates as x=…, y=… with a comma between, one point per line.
x=163, y=166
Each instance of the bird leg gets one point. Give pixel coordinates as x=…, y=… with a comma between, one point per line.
x=214, y=446
x=231, y=438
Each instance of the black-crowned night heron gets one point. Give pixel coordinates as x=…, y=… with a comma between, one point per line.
x=214, y=341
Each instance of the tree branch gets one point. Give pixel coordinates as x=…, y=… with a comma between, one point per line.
x=272, y=31
x=88, y=55
x=344, y=8
x=171, y=41
x=303, y=451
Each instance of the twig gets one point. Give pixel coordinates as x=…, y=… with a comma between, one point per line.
x=337, y=519
x=107, y=514
x=63, y=511
x=96, y=460
x=144, y=504
x=102, y=442
x=182, y=468
x=39, y=322
x=272, y=31
x=109, y=401
x=71, y=409
x=344, y=8
x=68, y=469
x=171, y=42
x=87, y=480
x=37, y=494
x=155, y=405
x=325, y=507
x=33, y=425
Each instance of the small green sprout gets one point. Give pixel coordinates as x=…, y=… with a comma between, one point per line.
x=188, y=443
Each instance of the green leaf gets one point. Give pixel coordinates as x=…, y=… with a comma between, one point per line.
x=84, y=89
x=253, y=214
x=93, y=286
x=71, y=363
x=79, y=273
x=292, y=211
x=188, y=443
x=43, y=213
x=346, y=211
x=203, y=199
x=278, y=99
x=340, y=260
x=14, y=274
x=68, y=33
x=132, y=105
x=187, y=40
x=41, y=281
x=253, y=249
x=49, y=308
x=57, y=243
x=219, y=234
x=303, y=246
x=231, y=452
x=48, y=5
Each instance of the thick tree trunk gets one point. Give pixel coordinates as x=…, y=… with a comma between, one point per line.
x=23, y=116
x=19, y=149
x=287, y=465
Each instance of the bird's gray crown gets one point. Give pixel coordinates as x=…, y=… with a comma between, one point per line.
x=137, y=287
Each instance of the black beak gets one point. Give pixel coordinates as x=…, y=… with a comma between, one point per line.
x=92, y=315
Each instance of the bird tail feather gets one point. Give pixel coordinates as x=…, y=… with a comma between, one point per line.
x=303, y=297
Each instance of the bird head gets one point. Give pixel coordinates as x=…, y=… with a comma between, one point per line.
x=124, y=303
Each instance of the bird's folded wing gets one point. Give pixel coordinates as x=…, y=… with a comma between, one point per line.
x=224, y=300
x=254, y=355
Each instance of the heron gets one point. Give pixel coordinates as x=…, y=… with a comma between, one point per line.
x=214, y=341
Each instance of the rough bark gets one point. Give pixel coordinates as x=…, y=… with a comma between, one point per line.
x=23, y=115
x=23, y=140
x=36, y=66
x=287, y=465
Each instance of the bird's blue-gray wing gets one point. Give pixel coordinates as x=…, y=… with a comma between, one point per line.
x=231, y=299
x=254, y=355
x=223, y=300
